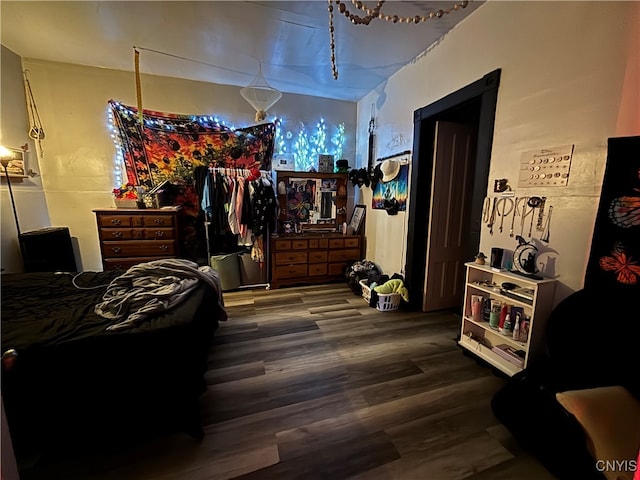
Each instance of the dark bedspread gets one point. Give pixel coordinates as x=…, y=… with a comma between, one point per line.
x=44, y=309
x=73, y=381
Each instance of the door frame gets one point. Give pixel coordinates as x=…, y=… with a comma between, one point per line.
x=484, y=91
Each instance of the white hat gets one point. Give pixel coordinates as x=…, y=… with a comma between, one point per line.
x=389, y=169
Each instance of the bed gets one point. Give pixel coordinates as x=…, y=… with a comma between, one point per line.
x=68, y=378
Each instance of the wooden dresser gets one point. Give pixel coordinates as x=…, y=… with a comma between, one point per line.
x=131, y=236
x=311, y=258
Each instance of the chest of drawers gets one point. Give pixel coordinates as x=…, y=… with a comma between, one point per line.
x=131, y=236
x=312, y=258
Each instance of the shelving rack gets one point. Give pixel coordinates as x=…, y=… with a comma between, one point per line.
x=479, y=338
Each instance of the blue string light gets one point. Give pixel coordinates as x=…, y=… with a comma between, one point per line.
x=305, y=146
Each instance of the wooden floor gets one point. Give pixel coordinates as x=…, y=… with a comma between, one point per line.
x=309, y=382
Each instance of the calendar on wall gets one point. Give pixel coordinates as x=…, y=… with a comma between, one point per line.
x=547, y=167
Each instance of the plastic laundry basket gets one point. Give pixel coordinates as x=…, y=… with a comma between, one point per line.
x=228, y=268
x=386, y=301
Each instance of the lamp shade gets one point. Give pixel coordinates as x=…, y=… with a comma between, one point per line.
x=260, y=95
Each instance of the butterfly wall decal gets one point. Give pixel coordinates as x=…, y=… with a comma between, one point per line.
x=625, y=211
x=625, y=268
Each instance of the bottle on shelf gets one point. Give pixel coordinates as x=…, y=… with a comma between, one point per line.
x=506, y=326
x=516, y=330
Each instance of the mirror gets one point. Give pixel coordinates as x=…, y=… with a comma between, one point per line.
x=312, y=200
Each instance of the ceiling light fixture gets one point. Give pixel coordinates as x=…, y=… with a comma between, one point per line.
x=260, y=95
x=373, y=13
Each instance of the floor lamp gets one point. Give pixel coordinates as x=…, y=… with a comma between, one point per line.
x=5, y=158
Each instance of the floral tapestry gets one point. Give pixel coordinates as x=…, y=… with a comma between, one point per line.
x=169, y=146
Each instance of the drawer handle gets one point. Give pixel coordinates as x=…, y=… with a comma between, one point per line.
x=117, y=234
x=160, y=233
x=116, y=249
x=159, y=221
x=164, y=248
x=116, y=221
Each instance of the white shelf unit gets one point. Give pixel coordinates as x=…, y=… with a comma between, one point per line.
x=478, y=337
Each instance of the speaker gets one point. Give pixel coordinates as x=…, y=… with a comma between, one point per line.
x=47, y=250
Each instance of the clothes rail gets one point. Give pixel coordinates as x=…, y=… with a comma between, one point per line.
x=239, y=172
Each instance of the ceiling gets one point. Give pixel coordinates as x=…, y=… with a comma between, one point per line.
x=224, y=41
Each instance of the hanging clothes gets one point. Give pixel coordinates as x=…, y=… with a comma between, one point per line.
x=246, y=216
x=232, y=213
x=238, y=203
x=242, y=228
x=264, y=208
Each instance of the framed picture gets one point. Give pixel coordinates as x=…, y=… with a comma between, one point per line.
x=325, y=163
x=357, y=218
x=283, y=161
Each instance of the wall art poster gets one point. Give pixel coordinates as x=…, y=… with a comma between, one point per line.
x=614, y=261
x=396, y=188
x=301, y=194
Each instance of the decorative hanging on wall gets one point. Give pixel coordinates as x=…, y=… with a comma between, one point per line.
x=392, y=194
x=390, y=183
x=615, y=248
x=168, y=146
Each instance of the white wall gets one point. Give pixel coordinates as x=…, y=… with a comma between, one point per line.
x=78, y=155
x=570, y=75
x=30, y=203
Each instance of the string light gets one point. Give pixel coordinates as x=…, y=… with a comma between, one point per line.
x=376, y=13
x=308, y=145
x=118, y=159
x=305, y=148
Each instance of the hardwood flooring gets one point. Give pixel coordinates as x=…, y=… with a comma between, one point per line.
x=311, y=383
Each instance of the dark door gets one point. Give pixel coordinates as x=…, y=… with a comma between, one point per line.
x=448, y=226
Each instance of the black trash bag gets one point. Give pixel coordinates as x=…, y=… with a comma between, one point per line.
x=360, y=270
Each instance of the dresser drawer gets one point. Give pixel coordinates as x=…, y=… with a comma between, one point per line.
x=282, y=245
x=139, y=248
x=336, y=243
x=313, y=243
x=157, y=220
x=116, y=221
x=289, y=258
x=157, y=233
x=290, y=271
x=344, y=255
x=299, y=244
x=116, y=234
x=336, y=268
x=317, y=257
x=317, y=269
x=352, y=242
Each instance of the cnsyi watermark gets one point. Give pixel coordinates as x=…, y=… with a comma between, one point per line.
x=617, y=465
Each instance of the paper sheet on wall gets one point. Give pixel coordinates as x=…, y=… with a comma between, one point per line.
x=548, y=167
